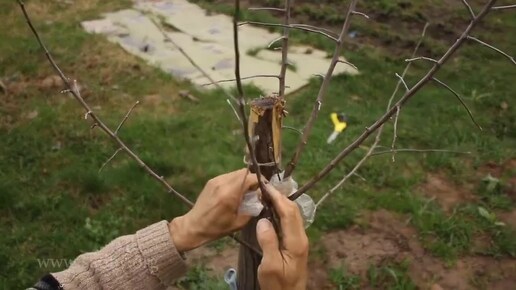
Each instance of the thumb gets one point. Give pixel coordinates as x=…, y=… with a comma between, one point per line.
x=267, y=237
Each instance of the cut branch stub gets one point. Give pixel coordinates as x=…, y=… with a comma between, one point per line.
x=265, y=122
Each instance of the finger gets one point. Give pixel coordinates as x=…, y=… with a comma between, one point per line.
x=284, y=207
x=291, y=221
x=250, y=180
x=242, y=181
x=267, y=239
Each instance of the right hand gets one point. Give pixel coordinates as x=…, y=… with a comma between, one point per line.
x=283, y=267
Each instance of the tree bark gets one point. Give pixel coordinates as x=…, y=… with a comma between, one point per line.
x=265, y=123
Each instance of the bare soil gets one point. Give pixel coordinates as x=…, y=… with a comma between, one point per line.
x=388, y=238
x=446, y=193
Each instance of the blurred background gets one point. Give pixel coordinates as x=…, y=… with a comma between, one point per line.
x=426, y=221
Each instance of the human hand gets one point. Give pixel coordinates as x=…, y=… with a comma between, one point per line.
x=215, y=212
x=283, y=267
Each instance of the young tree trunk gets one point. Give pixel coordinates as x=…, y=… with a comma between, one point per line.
x=265, y=123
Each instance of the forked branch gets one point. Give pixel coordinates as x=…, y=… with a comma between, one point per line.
x=379, y=123
x=470, y=10
x=72, y=88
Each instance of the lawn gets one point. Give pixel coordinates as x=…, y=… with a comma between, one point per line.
x=428, y=218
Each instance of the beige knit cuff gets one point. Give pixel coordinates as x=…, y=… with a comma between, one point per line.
x=160, y=254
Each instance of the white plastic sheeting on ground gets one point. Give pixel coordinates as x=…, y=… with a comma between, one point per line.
x=208, y=39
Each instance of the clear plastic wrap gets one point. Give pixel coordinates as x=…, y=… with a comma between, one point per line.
x=251, y=204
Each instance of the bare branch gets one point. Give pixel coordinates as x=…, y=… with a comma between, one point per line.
x=110, y=158
x=126, y=117
x=284, y=51
x=402, y=81
x=72, y=88
x=469, y=9
x=460, y=100
x=376, y=125
x=348, y=63
x=419, y=151
x=241, y=98
x=329, y=31
x=395, y=136
x=322, y=92
x=493, y=48
x=241, y=78
x=275, y=40
x=351, y=173
x=266, y=8
x=421, y=58
x=504, y=7
x=360, y=13
x=293, y=129
x=295, y=26
x=234, y=110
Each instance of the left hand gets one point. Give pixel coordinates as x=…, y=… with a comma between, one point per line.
x=215, y=212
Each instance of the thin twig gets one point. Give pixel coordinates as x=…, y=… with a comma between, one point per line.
x=421, y=58
x=284, y=51
x=234, y=110
x=419, y=151
x=110, y=158
x=241, y=78
x=493, y=48
x=469, y=9
x=322, y=92
x=422, y=82
x=126, y=117
x=266, y=8
x=351, y=173
x=295, y=26
x=395, y=133
x=360, y=13
x=402, y=81
x=348, y=63
x=329, y=31
x=504, y=7
x=293, y=129
x=460, y=100
x=275, y=40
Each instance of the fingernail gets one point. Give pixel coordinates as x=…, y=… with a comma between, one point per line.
x=263, y=226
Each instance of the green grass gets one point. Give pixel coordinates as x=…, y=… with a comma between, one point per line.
x=55, y=204
x=343, y=280
x=390, y=275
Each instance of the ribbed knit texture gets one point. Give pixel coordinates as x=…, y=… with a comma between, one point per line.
x=145, y=260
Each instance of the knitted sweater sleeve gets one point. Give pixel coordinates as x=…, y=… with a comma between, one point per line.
x=145, y=260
